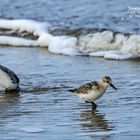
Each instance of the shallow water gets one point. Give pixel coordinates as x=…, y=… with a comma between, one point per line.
x=45, y=109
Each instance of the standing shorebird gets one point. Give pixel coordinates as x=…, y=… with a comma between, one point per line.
x=92, y=91
x=8, y=79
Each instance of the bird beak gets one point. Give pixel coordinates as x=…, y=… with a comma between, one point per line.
x=113, y=86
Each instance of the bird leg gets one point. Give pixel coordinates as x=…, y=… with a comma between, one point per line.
x=94, y=106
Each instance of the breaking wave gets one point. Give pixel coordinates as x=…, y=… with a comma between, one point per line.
x=96, y=42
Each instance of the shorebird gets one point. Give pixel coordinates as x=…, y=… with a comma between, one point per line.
x=8, y=79
x=92, y=91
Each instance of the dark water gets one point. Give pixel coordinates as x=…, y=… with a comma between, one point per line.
x=44, y=109
x=111, y=14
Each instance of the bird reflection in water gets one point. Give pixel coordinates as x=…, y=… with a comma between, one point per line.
x=94, y=121
x=8, y=101
x=9, y=96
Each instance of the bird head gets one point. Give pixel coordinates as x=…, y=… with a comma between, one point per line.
x=107, y=81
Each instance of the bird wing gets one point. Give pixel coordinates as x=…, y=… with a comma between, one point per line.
x=86, y=87
x=10, y=73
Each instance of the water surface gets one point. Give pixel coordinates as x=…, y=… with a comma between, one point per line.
x=110, y=14
x=45, y=109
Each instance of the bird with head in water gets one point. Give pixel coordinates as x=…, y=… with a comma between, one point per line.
x=8, y=79
x=92, y=91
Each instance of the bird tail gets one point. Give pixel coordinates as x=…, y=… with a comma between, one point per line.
x=72, y=90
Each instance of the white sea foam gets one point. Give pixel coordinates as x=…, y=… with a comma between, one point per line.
x=56, y=44
x=35, y=27
x=64, y=45
x=112, y=55
x=100, y=44
x=105, y=45
x=16, y=41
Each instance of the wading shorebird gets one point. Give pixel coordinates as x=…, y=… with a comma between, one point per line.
x=92, y=91
x=8, y=79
